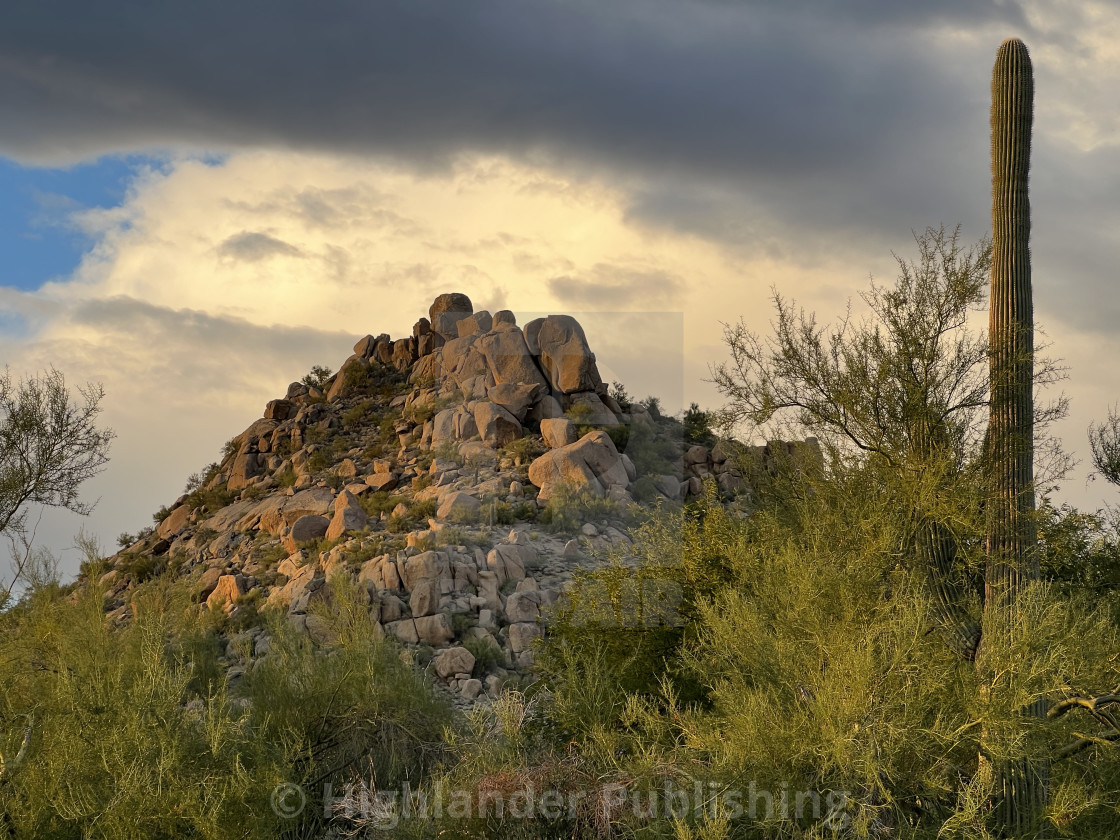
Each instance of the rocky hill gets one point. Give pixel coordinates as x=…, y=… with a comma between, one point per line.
x=457, y=477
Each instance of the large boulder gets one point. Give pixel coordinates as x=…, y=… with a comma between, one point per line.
x=246, y=466
x=434, y=630
x=454, y=424
x=558, y=432
x=405, y=352
x=226, y=591
x=479, y=322
x=515, y=398
x=447, y=311
x=314, y=501
x=456, y=660
x=586, y=408
x=175, y=522
x=428, y=565
x=348, y=516
x=558, y=342
x=496, y=426
x=306, y=529
x=592, y=462
x=508, y=357
x=458, y=507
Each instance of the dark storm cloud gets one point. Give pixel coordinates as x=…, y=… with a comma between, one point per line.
x=741, y=121
x=770, y=88
x=252, y=246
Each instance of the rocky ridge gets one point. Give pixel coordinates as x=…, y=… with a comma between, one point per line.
x=456, y=477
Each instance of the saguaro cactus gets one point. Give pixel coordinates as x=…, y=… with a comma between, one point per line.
x=1011, y=530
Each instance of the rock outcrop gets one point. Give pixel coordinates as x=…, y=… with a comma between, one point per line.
x=426, y=473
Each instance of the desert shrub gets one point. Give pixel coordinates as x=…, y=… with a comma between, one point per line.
x=379, y=502
x=210, y=500
x=569, y=507
x=318, y=377
x=200, y=479
x=423, y=509
x=357, y=379
x=285, y=477
x=269, y=555
x=698, y=426
x=617, y=392
x=654, y=449
x=251, y=494
x=525, y=449
x=644, y=490
x=320, y=460
x=139, y=567
x=133, y=737
x=359, y=414
x=447, y=450
x=230, y=448
x=487, y=655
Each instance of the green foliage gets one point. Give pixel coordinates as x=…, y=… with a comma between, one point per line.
x=200, y=479
x=1104, y=444
x=1080, y=553
x=359, y=415
x=698, y=426
x=130, y=740
x=139, y=567
x=318, y=377
x=524, y=450
x=320, y=459
x=379, y=502
x=487, y=655
x=617, y=392
x=230, y=448
x=49, y=446
x=569, y=507
x=210, y=500
x=286, y=477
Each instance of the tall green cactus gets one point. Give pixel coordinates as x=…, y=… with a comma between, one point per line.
x=1011, y=548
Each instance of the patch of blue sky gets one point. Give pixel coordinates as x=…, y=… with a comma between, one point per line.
x=38, y=240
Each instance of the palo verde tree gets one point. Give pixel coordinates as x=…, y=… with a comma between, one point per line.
x=50, y=445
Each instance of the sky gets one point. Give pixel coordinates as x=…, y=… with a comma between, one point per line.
x=198, y=202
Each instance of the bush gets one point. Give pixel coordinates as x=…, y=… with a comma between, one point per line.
x=570, y=507
x=210, y=500
x=359, y=414
x=698, y=427
x=320, y=460
x=318, y=377
x=133, y=734
x=487, y=655
x=525, y=450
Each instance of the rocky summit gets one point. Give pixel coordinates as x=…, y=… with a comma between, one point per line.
x=456, y=477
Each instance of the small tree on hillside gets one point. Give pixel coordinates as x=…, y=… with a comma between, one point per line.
x=49, y=446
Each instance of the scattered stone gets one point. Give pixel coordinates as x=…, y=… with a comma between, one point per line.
x=459, y=507
x=456, y=660
x=226, y=591
x=305, y=529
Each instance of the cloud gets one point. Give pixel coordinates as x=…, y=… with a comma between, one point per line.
x=252, y=246
x=616, y=287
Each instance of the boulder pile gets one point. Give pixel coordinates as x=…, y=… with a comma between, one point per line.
x=427, y=472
